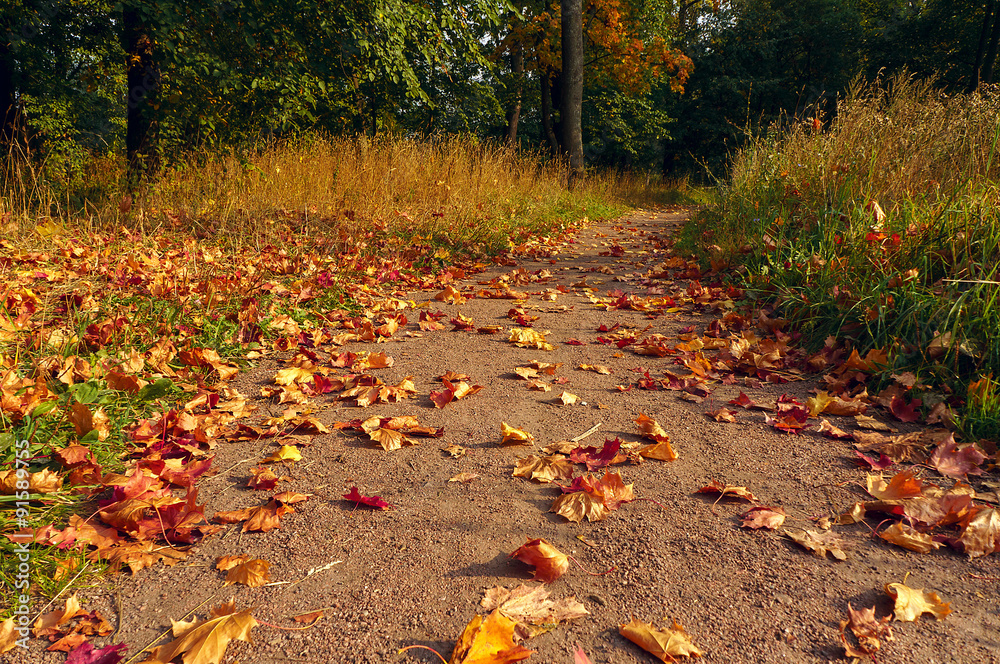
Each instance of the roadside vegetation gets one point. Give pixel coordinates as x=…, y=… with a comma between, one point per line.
x=878, y=228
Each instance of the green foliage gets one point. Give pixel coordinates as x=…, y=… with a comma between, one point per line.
x=883, y=231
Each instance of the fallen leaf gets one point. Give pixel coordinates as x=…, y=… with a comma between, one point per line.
x=597, y=368
x=911, y=603
x=515, y=436
x=464, y=477
x=8, y=638
x=549, y=562
x=391, y=439
x=908, y=538
x=664, y=644
x=598, y=458
x=819, y=543
x=871, y=424
x=252, y=573
x=531, y=608
x=579, y=655
x=455, y=451
x=372, y=501
x=284, y=453
x=86, y=654
x=569, y=399
x=903, y=485
x=881, y=463
x=728, y=491
x=951, y=461
x=981, y=532
x=544, y=469
x=868, y=631
x=722, y=415
x=529, y=338
x=831, y=431
x=205, y=642
x=488, y=640
x=763, y=517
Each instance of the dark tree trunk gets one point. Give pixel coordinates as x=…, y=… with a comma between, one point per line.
x=989, y=19
x=571, y=99
x=990, y=57
x=545, y=82
x=8, y=101
x=143, y=79
x=514, y=114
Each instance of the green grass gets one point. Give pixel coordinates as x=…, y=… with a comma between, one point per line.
x=882, y=231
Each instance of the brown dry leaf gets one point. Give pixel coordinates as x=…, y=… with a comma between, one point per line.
x=868, y=630
x=819, y=543
x=549, y=562
x=228, y=562
x=8, y=639
x=44, y=481
x=830, y=430
x=547, y=368
x=464, y=477
x=515, y=436
x=544, y=469
x=308, y=618
x=205, y=642
x=722, y=415
x=909, y=538
x=911, y=603
x=488, y=640
x=527, y=373
x=538, y=385
x=650, y=428
x=763, y=517
x=561, y=447
x=48, y=624
x=727, y=491
x=664, y=644
x=455, y=451
x=981, y=532
x=871, y=424
x=531, y=608
x=903, y=485
x=596, y=368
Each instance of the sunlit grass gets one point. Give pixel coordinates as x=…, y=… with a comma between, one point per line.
x=882, y=231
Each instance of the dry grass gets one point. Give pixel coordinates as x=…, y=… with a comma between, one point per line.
x=458, y=191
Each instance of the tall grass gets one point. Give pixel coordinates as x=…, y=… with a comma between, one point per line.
x=882, y=230
x=456, y=191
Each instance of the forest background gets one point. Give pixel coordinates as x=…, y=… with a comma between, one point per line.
x=670, y=86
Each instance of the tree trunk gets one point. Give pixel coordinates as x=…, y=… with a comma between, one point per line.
x=514, y=114
x=989, y=17
x=571, y=101
x=545, y=82
x=8, y=101
x=143, y=79
x=990, y=58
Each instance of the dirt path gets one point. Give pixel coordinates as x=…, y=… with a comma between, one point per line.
x=416, y=574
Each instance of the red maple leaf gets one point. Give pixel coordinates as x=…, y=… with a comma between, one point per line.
x=371, y=501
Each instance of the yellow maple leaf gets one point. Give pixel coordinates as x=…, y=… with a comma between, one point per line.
x=526, y=337
x=205, y=642
x=514, y=435
x=489, y=640
x=912, y=603
x=284, y=453
x=664, y=644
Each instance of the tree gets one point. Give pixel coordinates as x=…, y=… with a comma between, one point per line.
x=571, y=104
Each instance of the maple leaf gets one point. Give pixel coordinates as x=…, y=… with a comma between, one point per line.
x=664, y=644
x=819, y=543
x=903, y=485
x=569, y=399
x=763, y=517
x=868, y=631
x=544, y=469
x=831, y=431
x=488, y=640
x=284, y=453
x=549, y=562
x=47, y=624
x=205, y=642
x=455, y=451
x=596, y=368
x=980, y=532
x=371, y=501
x=529, y=338
x=242, y=569
x=728, y=491
x=905, y=412
x=390, y=439
x=598, y=458
x=464, y=477
x=515, y=436
x=8, y=638
x=951, y=461
x=531, y=608
x=264, y=479
x=909, y=538
x=45, y=481
x=86, y=654
x=743, y=401
x=593, y=499
x=881, y=463
x=911, y=603
x=722, y=415
x=871, y=424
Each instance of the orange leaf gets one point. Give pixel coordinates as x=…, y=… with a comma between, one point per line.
x=488, y=640
x=205, y=642
x=664, y=644
x=549, y=562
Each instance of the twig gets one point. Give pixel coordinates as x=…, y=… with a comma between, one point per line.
x=584, y=569
x=586, y=433
x=984, y=578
